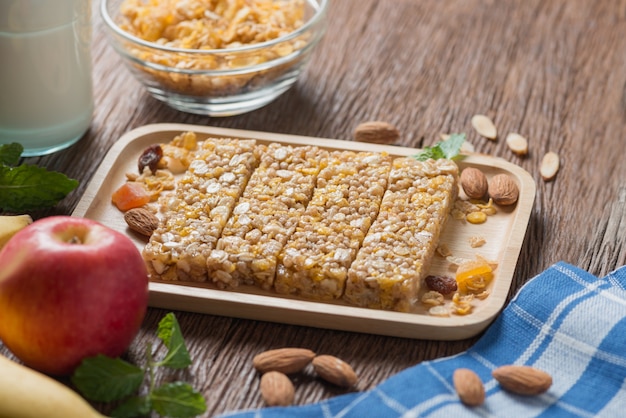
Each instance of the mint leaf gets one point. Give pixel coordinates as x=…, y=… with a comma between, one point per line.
x=104, y=379
x=136, y=406
x=169, y=332
x=10, y=153
x=29, y=187
x=177, y=399
x=449, y=148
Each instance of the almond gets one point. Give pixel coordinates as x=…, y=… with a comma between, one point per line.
x=484, y=126
x=517, y=143
x=523, y=380
x=286, y=360
x=503, y=190
x=277, y=389
x=335, y=371
x=469, y=387
x=549, y=166
x=141, y=220
x=376, y=132
x=474, y=183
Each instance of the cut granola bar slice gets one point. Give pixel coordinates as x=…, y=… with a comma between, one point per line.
x=397, y=250
x=193, y=218
x=315, y=261
x=266, y=215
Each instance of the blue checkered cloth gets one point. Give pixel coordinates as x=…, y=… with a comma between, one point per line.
x=564, y=321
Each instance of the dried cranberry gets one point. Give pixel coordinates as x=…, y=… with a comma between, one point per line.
x=442, y=284
x=150, y=158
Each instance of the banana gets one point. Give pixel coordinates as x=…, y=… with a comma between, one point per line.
x=10, y=225
x=26, y=393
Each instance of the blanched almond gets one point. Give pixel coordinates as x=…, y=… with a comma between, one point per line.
x=549, y=166
x=517, y=143
x=484, y=126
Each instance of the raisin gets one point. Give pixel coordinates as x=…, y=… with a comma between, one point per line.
x=442, y=284
x=150, y=158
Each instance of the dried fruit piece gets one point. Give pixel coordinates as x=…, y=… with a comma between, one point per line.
x=277, y=389
x=484, y=126
x=469, y=387
x=549, y=166
x=286, y=360
x=150, y=158
x=376, y=132
x=517, y=143
x=474, y=183
x=473, y=275
x=130, y=195
x=503, y=190
x=442, y=284
x=335, y=371
x=142, y=221
x=523, y=380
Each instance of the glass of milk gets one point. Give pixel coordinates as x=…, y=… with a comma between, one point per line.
x=46, y=98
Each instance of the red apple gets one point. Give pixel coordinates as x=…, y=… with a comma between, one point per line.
x=70, y=288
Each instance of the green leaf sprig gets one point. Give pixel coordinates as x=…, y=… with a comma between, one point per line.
x=449, y=148
x=106, y=379
x=29, y=187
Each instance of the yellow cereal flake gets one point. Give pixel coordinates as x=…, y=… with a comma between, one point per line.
x=476, y=241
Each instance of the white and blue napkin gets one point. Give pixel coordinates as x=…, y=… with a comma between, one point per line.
x=565, y=321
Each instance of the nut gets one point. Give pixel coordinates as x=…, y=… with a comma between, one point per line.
x=141, y=220
x=469, y=387
x=285, y=360
x=474, y=183
x=503, y=190
x=517, y=143
x=277, y=389
x=549, y=166
x=376, y=132
x=335, y=371
x=484, y=126
x=523, y=380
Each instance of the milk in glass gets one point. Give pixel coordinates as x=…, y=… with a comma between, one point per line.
x=46, y=100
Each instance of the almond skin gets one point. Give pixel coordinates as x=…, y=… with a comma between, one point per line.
x=335, y=371
x=285, y=360
x=523, y=380
x=469, y=387
x=376, y=132
x=474, y=183
x=141, y=220
x=277, y=389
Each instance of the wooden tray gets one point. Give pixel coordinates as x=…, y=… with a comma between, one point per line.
x=504, y=233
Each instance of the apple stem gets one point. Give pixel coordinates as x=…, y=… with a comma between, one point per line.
x=75, y=240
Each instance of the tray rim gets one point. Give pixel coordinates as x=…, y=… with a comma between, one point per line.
x=181, y=296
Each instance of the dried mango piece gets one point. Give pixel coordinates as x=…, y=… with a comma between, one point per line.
x=474, y=275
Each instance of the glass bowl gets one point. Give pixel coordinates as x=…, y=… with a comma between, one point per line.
x=238, y=78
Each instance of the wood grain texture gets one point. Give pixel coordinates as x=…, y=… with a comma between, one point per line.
x=552, y=71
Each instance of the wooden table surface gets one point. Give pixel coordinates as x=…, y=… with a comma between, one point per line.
x=552, y=71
